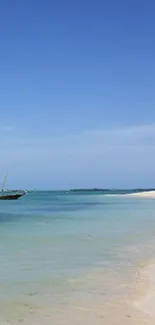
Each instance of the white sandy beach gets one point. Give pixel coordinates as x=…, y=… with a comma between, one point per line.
x=143, y=195
x=147, y=303
x=146, y=194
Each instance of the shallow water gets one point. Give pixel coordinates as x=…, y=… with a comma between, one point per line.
x=56, y=246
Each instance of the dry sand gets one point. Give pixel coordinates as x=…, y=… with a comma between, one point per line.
x=146, y=194
x=143, y=195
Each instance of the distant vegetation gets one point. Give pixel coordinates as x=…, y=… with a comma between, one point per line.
x=110, y=190
x=90, y=190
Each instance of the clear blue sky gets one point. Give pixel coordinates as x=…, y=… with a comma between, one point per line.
x=77, y=93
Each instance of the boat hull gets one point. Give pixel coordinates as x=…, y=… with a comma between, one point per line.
x=11, y=197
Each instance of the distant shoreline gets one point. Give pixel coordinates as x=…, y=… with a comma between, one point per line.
x=122, y=191
x=144, y=194
x=90, y=190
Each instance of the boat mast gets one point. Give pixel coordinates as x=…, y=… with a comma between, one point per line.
x=4, y=182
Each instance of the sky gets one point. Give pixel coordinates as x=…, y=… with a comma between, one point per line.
x=77, y=93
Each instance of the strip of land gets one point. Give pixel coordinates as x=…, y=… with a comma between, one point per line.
x=146, y=194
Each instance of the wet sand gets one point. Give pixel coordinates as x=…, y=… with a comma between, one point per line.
x=146, y=303
x=135, y=306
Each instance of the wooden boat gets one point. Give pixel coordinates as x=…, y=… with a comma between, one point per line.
x=10, y=194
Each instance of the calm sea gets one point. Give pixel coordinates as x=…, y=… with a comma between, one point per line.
x=55, y=245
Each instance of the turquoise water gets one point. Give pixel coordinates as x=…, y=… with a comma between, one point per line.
x=50, y=240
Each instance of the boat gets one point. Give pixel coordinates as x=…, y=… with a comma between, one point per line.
x=10, y=194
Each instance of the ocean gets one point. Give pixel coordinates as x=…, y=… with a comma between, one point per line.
x=63, y=253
